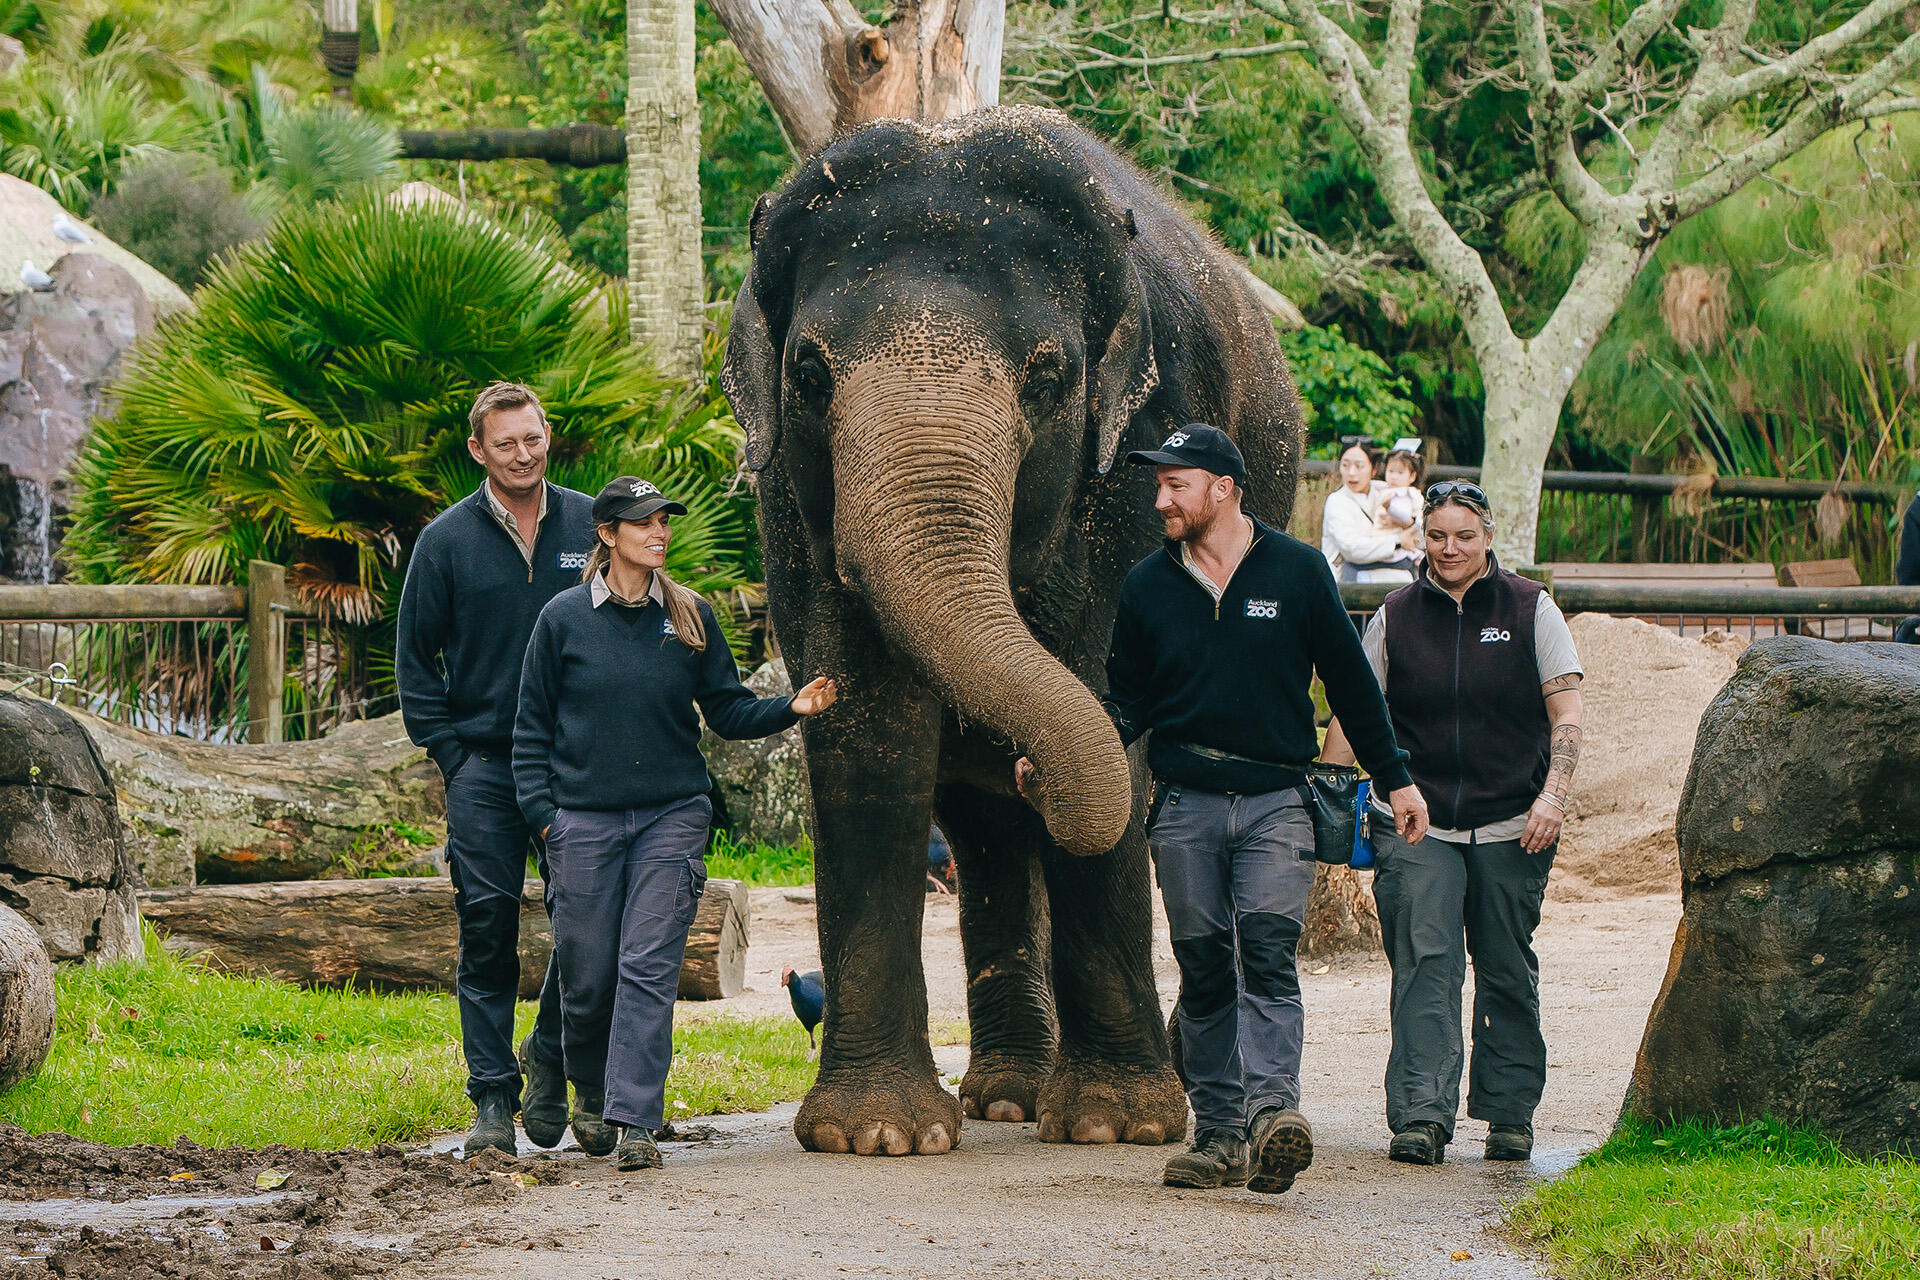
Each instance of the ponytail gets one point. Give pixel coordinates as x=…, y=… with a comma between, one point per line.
x=683, y=605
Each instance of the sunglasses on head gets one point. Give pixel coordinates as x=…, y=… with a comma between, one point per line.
x=1465, y=490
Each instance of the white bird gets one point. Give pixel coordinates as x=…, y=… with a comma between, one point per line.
x=65, y=229
x=33, y=277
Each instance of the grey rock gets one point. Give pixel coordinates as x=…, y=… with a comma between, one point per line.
x=63, y=862
x=763, y=782
x=26, y=1000
x=1791, y=988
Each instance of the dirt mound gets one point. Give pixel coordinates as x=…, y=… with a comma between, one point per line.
x=1644, y=691
x=186, y=1210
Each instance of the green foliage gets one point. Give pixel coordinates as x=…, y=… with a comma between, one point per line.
x=757, y=863
x=146, y=1052
x=177, y=213
x=1698, y=1203
x=1345, y=388
x=72, y=136
x=319, y=152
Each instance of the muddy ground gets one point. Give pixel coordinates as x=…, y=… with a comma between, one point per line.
x=747, y=1200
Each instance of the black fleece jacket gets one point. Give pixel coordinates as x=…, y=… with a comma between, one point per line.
x=1906, y=571
x=466, y=611
x=1225, y=689
x=606, y=715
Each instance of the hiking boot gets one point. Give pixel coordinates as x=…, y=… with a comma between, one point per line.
x=1218, y=1158
x=543, y=1108
x=492, y=1125
x=595, y=1136
x=637, y=1151
x=1510, y=1142
x=1281, y=1143
x=1422, y=1143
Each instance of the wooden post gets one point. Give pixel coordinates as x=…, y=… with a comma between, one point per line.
x=1643, y=508
x=266, y=649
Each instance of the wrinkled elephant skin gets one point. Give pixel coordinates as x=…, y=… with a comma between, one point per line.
x=948, y=336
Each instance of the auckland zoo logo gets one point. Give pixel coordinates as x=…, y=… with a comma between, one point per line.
x=666, y=629
x=573, y=560
x=1263, y=608
x=1175, y=440
x=1493, y=635
x=641, y=488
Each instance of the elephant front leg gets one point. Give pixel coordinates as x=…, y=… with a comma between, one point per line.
x=998, y=841
x=1112, y=1079
x=872, y=761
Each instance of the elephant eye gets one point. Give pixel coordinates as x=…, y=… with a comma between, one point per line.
x=1046, y=383
x=811, y=380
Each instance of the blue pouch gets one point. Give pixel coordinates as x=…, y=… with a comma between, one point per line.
x=1363, y=828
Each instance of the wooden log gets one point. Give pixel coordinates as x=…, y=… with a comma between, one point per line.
x=26, y=999
x=1341, y=915
x=582, y=145
x=400, y=934
x=715, y=966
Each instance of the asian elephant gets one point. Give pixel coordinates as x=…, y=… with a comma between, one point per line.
x=948, y=334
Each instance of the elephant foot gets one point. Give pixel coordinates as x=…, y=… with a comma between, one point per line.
x=1004, y=1088
x=1102, y=1102
x=889, y=1112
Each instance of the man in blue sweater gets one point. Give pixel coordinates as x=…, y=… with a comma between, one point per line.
x=1215, y=647
x=479, y=576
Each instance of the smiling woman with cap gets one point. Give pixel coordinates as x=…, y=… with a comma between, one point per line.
x=606, y=763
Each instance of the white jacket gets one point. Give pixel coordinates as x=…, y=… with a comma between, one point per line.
x=1347, y=534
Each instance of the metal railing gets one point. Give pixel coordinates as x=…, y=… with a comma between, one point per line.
x=222, y=664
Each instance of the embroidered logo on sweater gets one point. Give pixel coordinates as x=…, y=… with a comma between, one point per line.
x=575, y=560
x=1263, y=608
x=1492, y=635
x=666, y=628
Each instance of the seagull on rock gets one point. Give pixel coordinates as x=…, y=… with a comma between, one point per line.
x=69, y=231
x=34, y=278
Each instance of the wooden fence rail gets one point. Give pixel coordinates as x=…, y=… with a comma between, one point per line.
x=1637, y=484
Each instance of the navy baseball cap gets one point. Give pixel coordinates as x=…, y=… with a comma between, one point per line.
x=1197, y=445
x=631, y=498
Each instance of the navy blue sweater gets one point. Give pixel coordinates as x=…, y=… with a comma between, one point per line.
x=1225, y=688
x=607, y=708
x=466, y=611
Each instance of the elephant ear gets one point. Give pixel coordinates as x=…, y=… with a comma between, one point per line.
x=750, y=376
x=1125, y=375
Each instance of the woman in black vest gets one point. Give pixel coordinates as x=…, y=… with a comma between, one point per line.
x=1483, y=685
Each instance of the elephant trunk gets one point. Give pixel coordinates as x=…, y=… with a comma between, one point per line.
x=924, y=470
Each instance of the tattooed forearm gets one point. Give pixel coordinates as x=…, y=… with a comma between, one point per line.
x=1560, y=684
x=1565, y=754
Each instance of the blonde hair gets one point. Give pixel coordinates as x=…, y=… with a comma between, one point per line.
x=683, y=605
x=498, y=396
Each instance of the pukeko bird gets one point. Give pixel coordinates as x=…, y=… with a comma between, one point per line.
x=808, y=991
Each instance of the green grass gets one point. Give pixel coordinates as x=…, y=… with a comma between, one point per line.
x=762, y=864
x=1758, y=1202
x=148, y=1052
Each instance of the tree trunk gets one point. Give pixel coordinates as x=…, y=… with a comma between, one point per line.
x=401, y=934
x=1341, y=915
x=1522, y=415
x=340, y=44
x=664, y=285
x=360, y=797
x=26, y=1000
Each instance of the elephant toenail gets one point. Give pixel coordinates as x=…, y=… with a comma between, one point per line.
x=1147, y=1135
x=866, y=1139
x=970, y=1107
x=1051, y=1130
x=894, y=1141
x=1093, y=1131
x=935, y=1142
x=829, y=1137
x=1005, y=1112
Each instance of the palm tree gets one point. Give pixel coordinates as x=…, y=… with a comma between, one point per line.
x=663, y=186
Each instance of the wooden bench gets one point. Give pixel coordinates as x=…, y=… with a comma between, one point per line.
x=1688, y=575
x=1823, y=573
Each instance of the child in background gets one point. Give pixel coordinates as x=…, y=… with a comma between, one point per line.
x=1397, y=507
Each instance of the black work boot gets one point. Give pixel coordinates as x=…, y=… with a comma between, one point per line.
x=1510, y=1142
x=543, y=1108
x=637, y=1150
x=1421, y=1143
x=595, y=1136
x=1281, y=1143
x=492, y=1126
x=1218, y=1158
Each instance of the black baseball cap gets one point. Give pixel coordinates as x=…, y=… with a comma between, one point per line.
x=631, y=498
x=1197, y=445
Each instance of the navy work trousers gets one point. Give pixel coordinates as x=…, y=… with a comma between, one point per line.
x=627, y=883
x=487, y=846
x=1235, y=871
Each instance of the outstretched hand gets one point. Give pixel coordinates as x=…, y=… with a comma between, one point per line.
x=816, y=696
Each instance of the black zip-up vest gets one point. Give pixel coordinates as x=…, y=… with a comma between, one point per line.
x=1463, y=688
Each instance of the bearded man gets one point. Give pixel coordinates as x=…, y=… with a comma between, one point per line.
x=1215, y=648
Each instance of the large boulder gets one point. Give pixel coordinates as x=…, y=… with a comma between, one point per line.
x=1791, y=988
x=762, y=783
x=26, y=1000
x=63, y=864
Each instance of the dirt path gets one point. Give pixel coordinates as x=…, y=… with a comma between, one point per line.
x=751, y=1202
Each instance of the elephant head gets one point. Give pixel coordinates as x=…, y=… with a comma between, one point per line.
x=943, y=335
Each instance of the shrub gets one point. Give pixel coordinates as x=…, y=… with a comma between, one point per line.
x=1345, y=389
x=178, y=213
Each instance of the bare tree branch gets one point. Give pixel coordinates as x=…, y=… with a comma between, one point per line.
x=1145, y=61
x=1809, y=57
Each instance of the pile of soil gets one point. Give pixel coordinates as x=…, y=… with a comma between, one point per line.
x=92, y=1210
x=1644, y=692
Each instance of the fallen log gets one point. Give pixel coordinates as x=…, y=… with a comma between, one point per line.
x=400, y=934
x=26, y=999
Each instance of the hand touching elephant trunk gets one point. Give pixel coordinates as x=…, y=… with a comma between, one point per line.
x=925, y=462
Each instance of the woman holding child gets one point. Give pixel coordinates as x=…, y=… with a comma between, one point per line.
x=1370, y=530
x=607, y=767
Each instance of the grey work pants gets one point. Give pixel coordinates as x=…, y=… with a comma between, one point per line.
x=1235, y=871
x=626, y=885
x=1439, y=903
